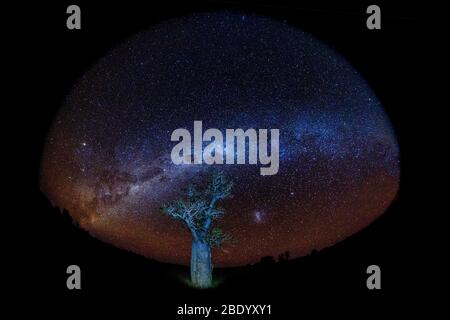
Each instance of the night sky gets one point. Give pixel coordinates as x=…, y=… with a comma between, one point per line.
x=107, y=156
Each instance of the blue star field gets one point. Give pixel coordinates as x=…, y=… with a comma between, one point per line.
x=107, y=157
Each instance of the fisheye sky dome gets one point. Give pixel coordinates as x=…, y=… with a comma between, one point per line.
x=107, y=155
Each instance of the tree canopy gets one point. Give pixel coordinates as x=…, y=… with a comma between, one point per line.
x=198, y=207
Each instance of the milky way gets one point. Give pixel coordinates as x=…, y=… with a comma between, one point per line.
x=107, y=157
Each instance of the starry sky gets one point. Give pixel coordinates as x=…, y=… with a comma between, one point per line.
x=107, y=155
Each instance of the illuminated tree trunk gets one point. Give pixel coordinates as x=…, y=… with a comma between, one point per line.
x=198, y=209
x=201, y=266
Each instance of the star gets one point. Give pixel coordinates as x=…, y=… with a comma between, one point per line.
x=107, y=158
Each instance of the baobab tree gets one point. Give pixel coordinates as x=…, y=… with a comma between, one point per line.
x=198, y=208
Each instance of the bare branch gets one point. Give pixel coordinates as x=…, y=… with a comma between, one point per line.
x=198, y=209
x=217, y=237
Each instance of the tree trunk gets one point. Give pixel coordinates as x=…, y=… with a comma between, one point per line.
x=201, y=267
